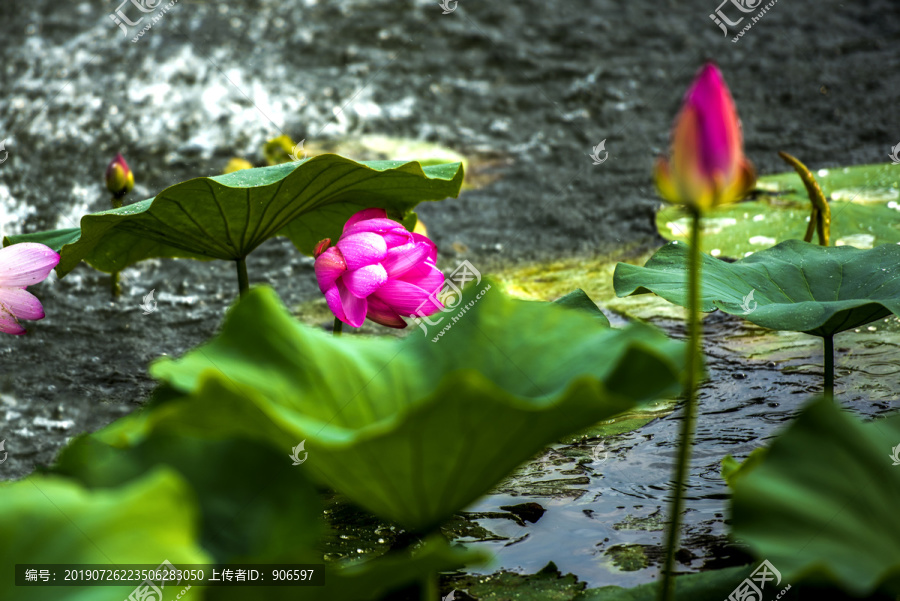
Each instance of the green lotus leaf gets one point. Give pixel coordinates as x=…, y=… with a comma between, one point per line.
x=793, y=286
x=254, y=505
x=865, y=210
x=732, y=469
x=227, y=216
x=723, y=584
x=822, y=503
x=415, y=430
x=256, y=508
x=47, y=520
x=548, y=584
x=580, y=301
x=714, y=585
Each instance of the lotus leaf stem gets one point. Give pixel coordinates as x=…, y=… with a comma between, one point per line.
x=243, y=280
x=829, y=366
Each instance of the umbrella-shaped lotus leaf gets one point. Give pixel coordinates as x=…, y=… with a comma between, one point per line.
x=416, y=429
x=227, y=216
x=794, y=286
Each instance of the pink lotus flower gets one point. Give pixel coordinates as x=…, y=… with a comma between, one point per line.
x=378, y=270
x=22, y=265
x=707, y=166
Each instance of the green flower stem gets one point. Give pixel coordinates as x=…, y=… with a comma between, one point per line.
x=667, y=590
x=430, y=587
x=829, y=367
x=243, y=280
x=338, y=326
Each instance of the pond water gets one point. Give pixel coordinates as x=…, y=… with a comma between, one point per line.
x=525, y=90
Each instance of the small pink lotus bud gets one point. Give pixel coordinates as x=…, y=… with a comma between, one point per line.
x=119, y=178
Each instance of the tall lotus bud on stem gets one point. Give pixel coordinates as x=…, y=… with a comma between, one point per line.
x=119, y=179
x=706, y=166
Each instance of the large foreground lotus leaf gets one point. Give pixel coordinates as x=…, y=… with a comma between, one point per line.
x=254, y=506
x=865, y=210
x=822, y=503
x=227, y=216
x=793, y=286
x=53, y=520
x=415, y=430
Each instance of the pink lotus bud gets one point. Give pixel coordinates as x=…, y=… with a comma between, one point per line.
x=706, y=166
x=378, y=270
x=119, y=178
x=22, y=265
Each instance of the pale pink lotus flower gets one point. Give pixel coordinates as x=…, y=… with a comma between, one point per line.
x=378, y=270
x=706, y=166
x=22, y=265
